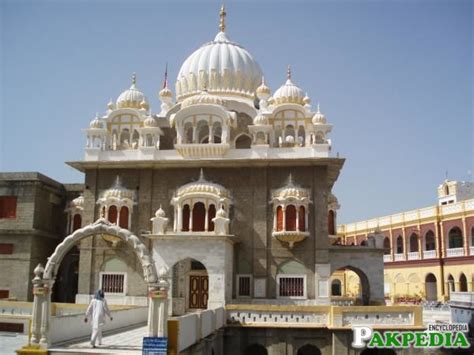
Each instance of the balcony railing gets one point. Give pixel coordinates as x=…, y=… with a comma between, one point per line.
x=472, y=250
x=455, y=252
x=429, y=254
x=399, y=257
x=387, y=258
x=414, y=255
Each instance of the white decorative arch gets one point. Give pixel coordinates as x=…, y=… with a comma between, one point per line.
x=44, y=281
x=102, y=226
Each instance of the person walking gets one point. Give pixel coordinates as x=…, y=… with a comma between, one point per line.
x=97, y=311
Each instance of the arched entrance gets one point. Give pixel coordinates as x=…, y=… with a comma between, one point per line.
x=190, y=289
x=255, y=349
x=356, y=284
x=308, y=349
x=431, y=289
x=45, y=278
x=66, y=284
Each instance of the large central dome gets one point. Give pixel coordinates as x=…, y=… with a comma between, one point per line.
x=220, y=67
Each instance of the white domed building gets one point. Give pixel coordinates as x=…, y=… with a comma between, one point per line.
x=220, y=203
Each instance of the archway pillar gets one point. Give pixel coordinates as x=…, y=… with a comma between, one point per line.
x=41, y=313
x=158, y=309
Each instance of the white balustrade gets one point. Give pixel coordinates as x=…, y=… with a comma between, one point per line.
x=472, y=250
x=429, y=254
x=414, y=255
x=399, y=257
x=455, y=252
x=387, y=258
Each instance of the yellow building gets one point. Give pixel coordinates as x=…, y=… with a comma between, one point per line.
x=429, y=251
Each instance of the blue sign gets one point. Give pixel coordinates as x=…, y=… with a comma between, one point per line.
x=155, y=346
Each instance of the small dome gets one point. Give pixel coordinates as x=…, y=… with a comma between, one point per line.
x=95, y=123
x=318, y=117
x=263, y=91
x=160, y=212
x=260, y=120
x=221, y=213
x=289, y=93
x=291, y=191
x=204, y=98
x=118, y=192
x=202, y=186
x=111, y=105
x=132, y=98
x=77, y=203
x=306, y=99
x=150, y=122
x=165, y=92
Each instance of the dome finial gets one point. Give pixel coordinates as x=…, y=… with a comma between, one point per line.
x=134, y=78
x=201, y=175
x=222, y=15
x=288, y=72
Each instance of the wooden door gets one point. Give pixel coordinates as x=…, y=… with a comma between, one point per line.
x=198, y=291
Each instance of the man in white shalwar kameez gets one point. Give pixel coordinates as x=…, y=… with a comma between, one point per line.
x=97, y=311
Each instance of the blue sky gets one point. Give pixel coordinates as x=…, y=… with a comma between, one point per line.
x=393, y=77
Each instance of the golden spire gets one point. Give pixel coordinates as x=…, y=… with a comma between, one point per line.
x=222, y=15
x=288, y=72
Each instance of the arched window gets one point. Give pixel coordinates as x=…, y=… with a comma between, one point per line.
x=211, y=213
x=185, y=221
x=386, y=246
x=451, y=283
x=188, y=133
x=462, y=283
x=331, y=226
x=399, y=245
x=290, y=218
x=113, y=214
x=455, y=238
x=302, y=219
x=243, y=142
x=124, y=217
x=336, y=288
x=279, y=218
x=199, y=217
x=76, y=222
x=430, y=243
x=431, y=287
x=413, y=243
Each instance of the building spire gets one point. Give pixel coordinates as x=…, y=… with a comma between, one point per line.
x=201, y=175
x=222, y=15
x=288, y=72
x=134, y=78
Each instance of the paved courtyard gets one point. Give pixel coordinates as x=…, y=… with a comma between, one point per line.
x=124, y=342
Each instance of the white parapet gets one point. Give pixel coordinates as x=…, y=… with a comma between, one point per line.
x=453, y=252
x=429, y=254
x=415, y=255
x=399, y=257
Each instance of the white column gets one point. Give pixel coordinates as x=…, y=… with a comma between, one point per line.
x=190, y=218
x=206, y=221
x=297, y=218
x=194, y=134
x=275, y=218
x=179, y=224
x=284, y=218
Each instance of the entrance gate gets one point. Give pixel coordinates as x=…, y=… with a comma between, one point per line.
x=45, y=277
